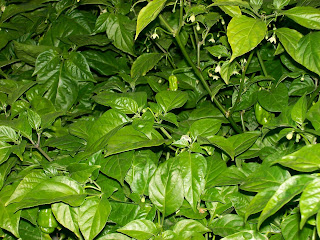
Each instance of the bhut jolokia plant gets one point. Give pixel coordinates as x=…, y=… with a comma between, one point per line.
x=159, y=119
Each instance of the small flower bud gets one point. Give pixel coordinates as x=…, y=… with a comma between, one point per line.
x=192, y=18
x=289, y=135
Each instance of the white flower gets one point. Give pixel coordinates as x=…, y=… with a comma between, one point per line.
x=289, y=135
x=197, y=81
x=222, y=21
x=212, y=40
x=235, y=72
x=103, y=11
x=192, y=18
x=217, y=69
x=3, y=8
x=186, y=138
x=273, y=39
x=215, y=77
x=154, y=36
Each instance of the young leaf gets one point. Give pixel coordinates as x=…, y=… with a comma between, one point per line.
x=290, y=229
x=166, y=187
x=67, y=216
x=141, y=229
x=144, y=63
x=313, y=115
x=299, y=110
x=306, y=159
x=308, y=17
x=289, y=39
x=288, y=190
x=148, y=13
x=244, y=34
x=93, y=215
x=34, y=119
x=279, y=4
x=169, y=100
x=193, y=169
x=310, y=201
x=189, y=227
x=8, y=134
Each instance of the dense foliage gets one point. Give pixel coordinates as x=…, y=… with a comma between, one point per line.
x=159, y=119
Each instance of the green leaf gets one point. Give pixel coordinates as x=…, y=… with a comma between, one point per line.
x=308, y=17
x=227, y=225
x=248, y=234
x=288, y=190
x=227, y=70
x=8, y=134
x=144, y=63
x=241, y=142
x=299, y=110
x=205, y=127
x=289, y=39
x=123, y=213
x=193, y=169
x=274, y=100
x=148, y=13
x=259, y=201
x=244, y=34
x=189, y=227
x=313, y=115
x=256, y=4
x=67, y=216
x=165, y=188
x=93, y=216
x=141, y=171
x=306, y=159
x=169, y=100
x=34, y=119
x=114, y=236
x=279, y=4
x=81, y=171
x=77, y=66
x=290, y=229
x=141, y=229
x=118, y=31
x=9, y=217
x=45, y=191
x=310, y=201
x=117, y=166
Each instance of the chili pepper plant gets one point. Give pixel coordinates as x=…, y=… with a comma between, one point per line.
x=162, y=119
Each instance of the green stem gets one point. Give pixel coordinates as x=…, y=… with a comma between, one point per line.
x=242, y=82
x=165, y=132
x=265, y=73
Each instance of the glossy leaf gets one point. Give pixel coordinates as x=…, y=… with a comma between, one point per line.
x=279, y=4
x=67, y=216
x=193, y=169
x=140, y=229
x=299, y=110
x=290, y=229
x=289, y=39
x=274, y=100
x=148, y=13
x=169, y=100
x=248, y=234
x=227, y=225
x=306, y=159
x=309, y=201
x=93, y=215
x=165, y=188
x=289, y=189
x=244, y=34
x=144, y=63
x=189, y=227
x=308, y=17
x=313, y=115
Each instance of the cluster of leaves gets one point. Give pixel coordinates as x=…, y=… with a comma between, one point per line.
x=91, y=128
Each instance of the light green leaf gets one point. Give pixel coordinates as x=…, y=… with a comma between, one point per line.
x=189, y=227
x=81, y=171
x=227, y=225
x=299, y=110
x=244, y=34
x=67, y=216
x=313, y=115
x=193, y=169
x=306, y=159
x=310, y=201
x=290, y=229
x=34, y=119
x=165, y=188
x=141, y=229
x=5, y=150
x=8, y=134
x=148, y=13
x=308, y=17
x=256, y=4
x=288, y=190
x=232, y=11
x=114, y=236
x=227, y=70
x=169, y=100
x=144, y=63
x=289, y=39
x=93, y=216
x=279, y=4
x=246, y=235
x=274, y=100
